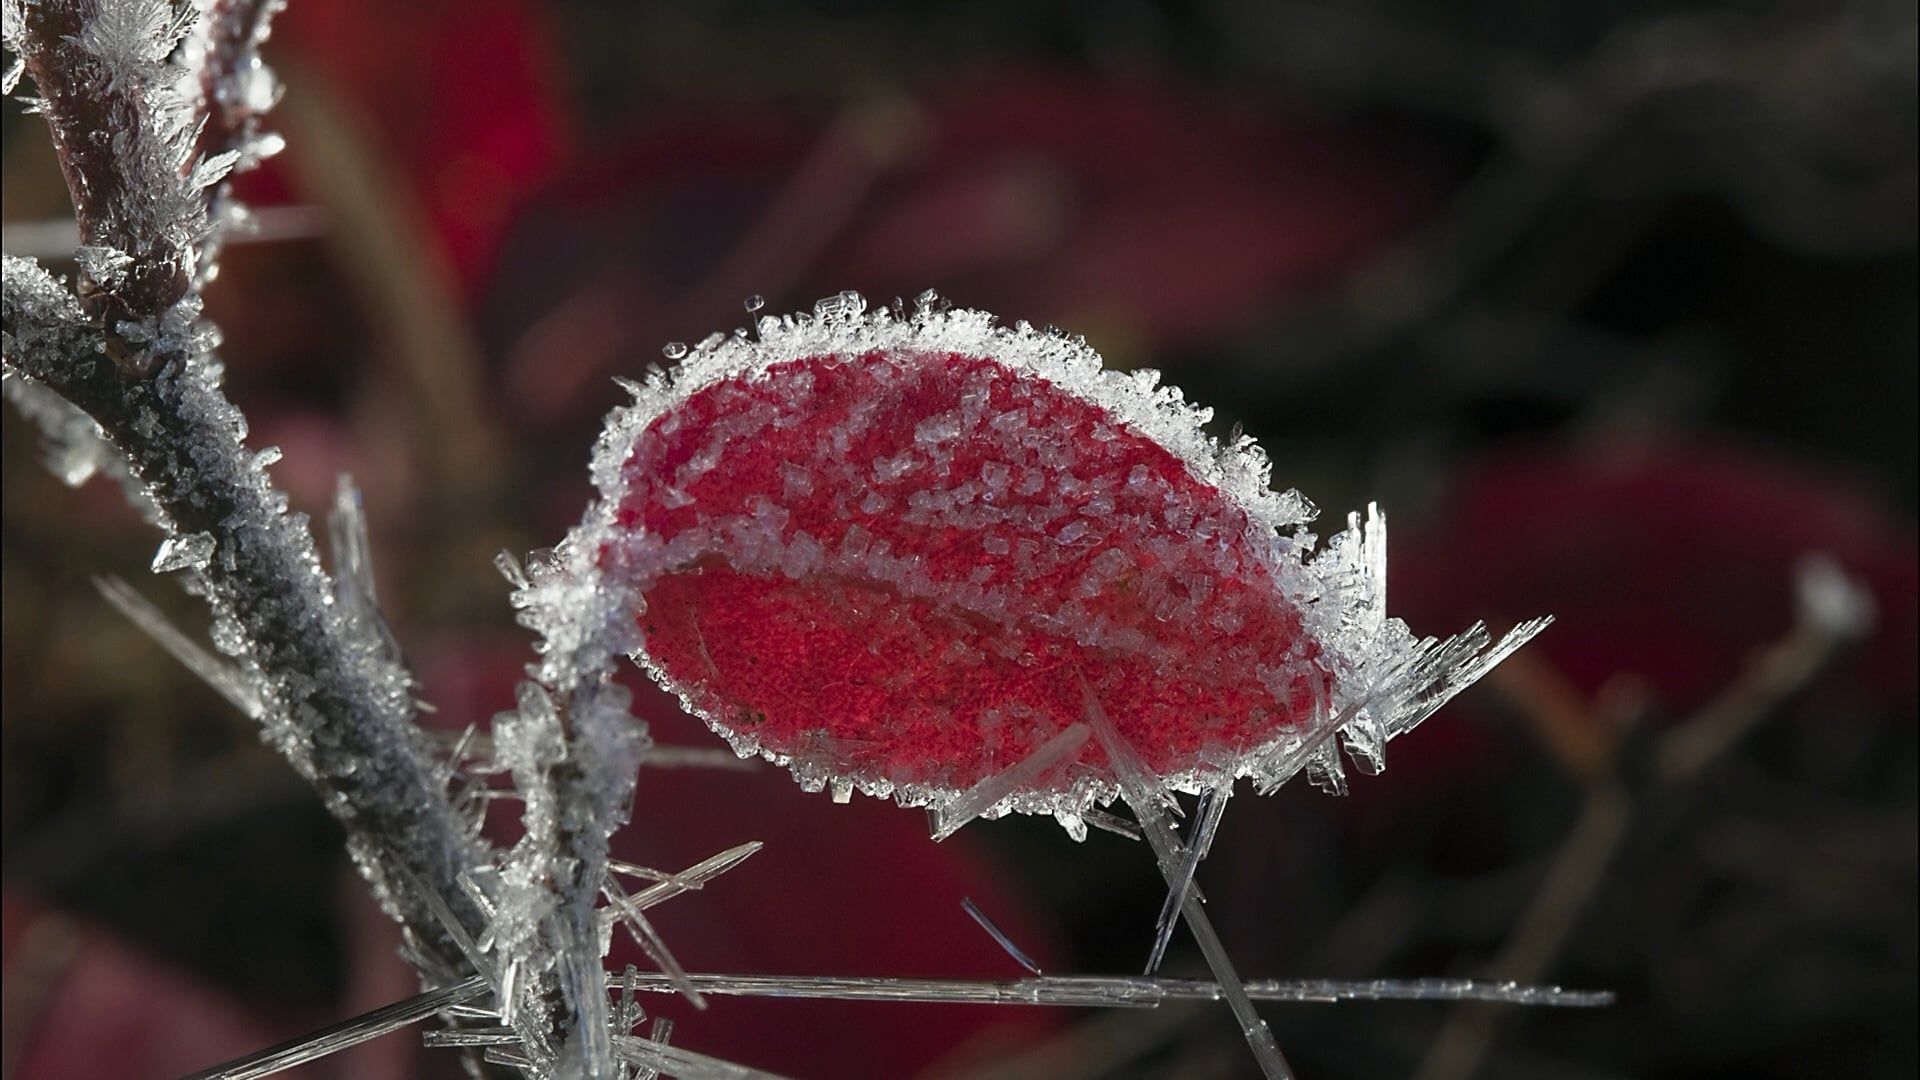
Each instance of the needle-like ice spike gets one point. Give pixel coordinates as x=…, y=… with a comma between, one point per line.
x=456, y=1038
x=673, y=1060
x=1139, y=793
x=344, y=1035
x=982, y=796
x=693, y=877
x=660, y=1035
x=1055, y=990
x=1112, y=823
x=1118, y=991
x=225, y=679
x=1206, y=818
x=999, y=936
x=649, y=939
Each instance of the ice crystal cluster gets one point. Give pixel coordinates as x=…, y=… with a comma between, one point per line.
x=893, y=549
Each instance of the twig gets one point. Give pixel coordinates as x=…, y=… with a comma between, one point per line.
x=136, y=194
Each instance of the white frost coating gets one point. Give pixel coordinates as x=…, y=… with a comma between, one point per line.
x=576, y=779
x=44, y=318
x=158, y=210
x=573, y=750
x=317, y=664
x=1383, y=679
x=189, y=552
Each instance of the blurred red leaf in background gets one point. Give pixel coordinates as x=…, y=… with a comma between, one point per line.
x=83, y=1004
x=1668, y=562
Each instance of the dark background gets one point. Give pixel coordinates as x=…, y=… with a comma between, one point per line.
x=1611, y=306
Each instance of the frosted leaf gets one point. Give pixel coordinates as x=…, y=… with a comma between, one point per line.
x=189, y=552
x=882, y=548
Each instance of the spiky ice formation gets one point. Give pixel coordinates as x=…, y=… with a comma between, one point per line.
x=887, y=548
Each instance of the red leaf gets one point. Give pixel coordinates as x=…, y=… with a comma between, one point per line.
x=891, y=551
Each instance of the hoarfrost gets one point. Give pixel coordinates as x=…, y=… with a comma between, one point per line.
x=189, y=552
x=132, y=349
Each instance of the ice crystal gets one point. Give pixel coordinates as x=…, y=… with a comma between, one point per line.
x=572, y=750
x=74, y=447
x=999, y=936
x=882, y=547
x=147, y=141
x=229, y=682
x=235, y=90
x=189, y=552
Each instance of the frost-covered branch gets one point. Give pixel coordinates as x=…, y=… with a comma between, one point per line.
x=338, y=706
x=124, y=132
x=126, y=349
x=236, y=90
x=121, y=367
